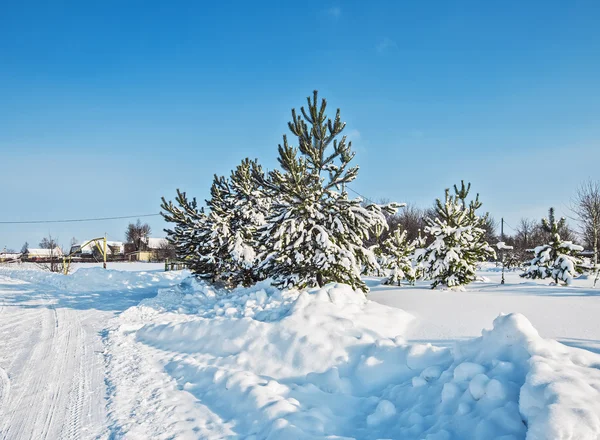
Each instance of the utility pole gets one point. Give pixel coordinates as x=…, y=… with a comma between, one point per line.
x=502, y=250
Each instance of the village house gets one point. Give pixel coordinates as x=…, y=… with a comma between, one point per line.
x=7, y=257
x=151, y=249
x=42, y=254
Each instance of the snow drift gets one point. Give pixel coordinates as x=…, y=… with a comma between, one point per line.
x=94, y=279
x=261, y=363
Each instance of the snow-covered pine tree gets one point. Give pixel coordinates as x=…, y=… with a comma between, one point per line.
x=190, y=234
x=558, y=259
x=420, y=245
x=398, y=258
x=220, y=206
x=220, y=244
x=377, y=250
x=250, y=209
x=315, y=232
x=457, y=241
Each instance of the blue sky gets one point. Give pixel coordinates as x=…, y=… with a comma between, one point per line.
x=106, y=106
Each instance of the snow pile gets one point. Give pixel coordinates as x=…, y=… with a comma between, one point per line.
x=261, y=363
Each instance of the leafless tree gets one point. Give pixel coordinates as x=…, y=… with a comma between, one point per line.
x=55, y=261
x=529, y=234
x=25, y=247
x=165, y=251
x=137, y=233
x=412, y=220
x=490, y=226
x=48, y=243
x=586, y=205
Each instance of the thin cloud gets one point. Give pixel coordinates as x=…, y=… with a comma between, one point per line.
x=385, y=45
x=335, y=11
x=353, y=135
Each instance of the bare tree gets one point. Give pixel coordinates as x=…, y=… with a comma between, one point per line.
x=25, y=247
x=490, y=226
x=412, y=220
x=48, y=243
x=529, y=234
x=138, y=233
x=586, y=205
x=55, y=262
x=165, y=251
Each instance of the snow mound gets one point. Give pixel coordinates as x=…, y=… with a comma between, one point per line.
x=261, y=363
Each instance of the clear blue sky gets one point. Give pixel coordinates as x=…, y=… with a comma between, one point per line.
x=106, y=106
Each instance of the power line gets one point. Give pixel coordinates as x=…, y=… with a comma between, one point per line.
x=29, y=222
x=359, y=194
x=509, y=226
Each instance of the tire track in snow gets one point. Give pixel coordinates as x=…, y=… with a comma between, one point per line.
x=4, y=380
x=49, y=371
x=29, y=399
x=4, y=391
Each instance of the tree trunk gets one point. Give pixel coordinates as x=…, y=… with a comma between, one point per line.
x=320, y=279
x=596, y=246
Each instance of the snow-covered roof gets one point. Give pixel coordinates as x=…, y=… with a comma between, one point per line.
x=156, y=243
x=44, y=252
x=9, y=255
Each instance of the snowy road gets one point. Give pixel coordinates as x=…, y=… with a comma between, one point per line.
x=52, y=366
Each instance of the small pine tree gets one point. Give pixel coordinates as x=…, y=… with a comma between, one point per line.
x=398, y=260
x=457, y=237
x=190, y=235
x=250, y=206
x=558, y=259
x=315, y=233
x=377, y=250
x=220, y=244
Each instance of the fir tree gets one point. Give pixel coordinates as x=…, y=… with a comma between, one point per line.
x=398, y=258
x=558, y=259
x=315, y=232
x=457, y=237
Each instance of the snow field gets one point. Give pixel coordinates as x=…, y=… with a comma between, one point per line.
x=261, y=363
x=90, y=279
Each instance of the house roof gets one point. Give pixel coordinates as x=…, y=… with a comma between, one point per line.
x=10, y=255
x=44, y=252
x=155, y=243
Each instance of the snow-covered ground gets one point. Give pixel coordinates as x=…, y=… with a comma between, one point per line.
x=113, y=354
x=569, y=314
